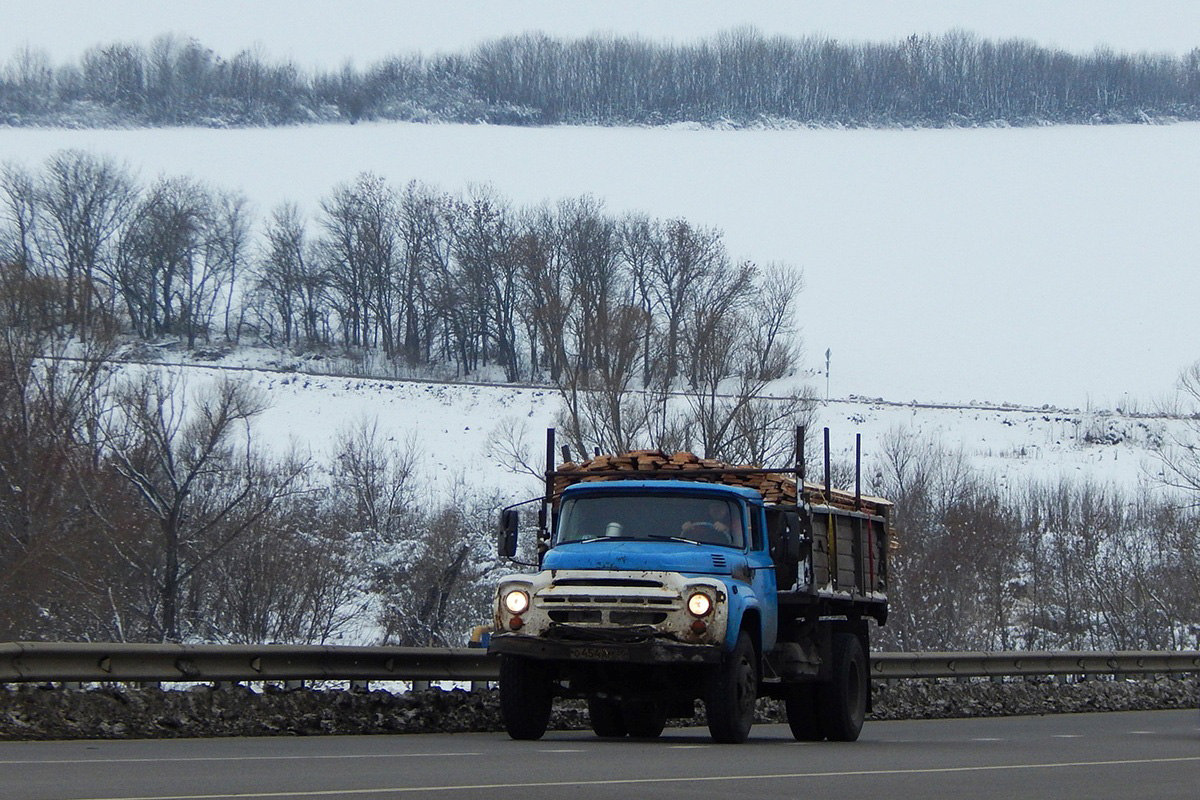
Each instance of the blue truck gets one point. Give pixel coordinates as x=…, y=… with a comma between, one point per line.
x=663, y=579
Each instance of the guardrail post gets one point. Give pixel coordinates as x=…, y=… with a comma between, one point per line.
x=360, y=686
x=420, y=686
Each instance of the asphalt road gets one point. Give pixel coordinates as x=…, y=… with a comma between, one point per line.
x=1143, y=754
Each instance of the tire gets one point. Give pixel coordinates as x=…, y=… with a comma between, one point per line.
x=842, y=706
x=526, y=695
x=645, y=719
x=802, y=716
x=731, y=694
x=606, y=718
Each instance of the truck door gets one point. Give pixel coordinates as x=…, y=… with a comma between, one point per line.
x=762, y=577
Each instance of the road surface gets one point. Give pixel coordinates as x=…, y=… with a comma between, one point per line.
x=1139, y=754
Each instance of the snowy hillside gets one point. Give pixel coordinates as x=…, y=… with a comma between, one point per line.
x=452, y=428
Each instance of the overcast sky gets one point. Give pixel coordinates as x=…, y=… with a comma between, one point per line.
x=328, y=33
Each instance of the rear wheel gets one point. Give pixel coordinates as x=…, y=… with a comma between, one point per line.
x=645, y=719
x=731, y=694
x=606, y=718
x=842, y=706
x=801, y=705
x=526, y=695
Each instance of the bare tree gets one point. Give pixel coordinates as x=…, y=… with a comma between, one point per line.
x=682, y=260
x=30, y=81
x=86, y=200
x=488, y=274
x=374, y=477
x=19, y=200
x=226, y=255
x=548, y=299
x=290, y=276
x=926, y=481
x=361, y=248
x=48, y=455
x=425, y=234
x=435, y=585
x=193, y=465
x=1180, y=454
x=298, y=575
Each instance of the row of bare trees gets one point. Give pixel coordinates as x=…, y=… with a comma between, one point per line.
x=105, y=251
x=1060, y=564
x=134, y=507
x=564, y=293
x=741, y=75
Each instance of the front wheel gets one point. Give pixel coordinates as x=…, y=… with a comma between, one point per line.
x=731, y=694
x=842, y=706
x=526, y=695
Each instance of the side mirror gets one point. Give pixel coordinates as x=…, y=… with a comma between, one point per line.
x=506, y=544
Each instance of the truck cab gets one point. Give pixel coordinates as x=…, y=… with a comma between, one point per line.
x=659, y=570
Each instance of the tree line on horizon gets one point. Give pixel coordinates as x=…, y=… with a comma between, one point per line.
x=740, y=76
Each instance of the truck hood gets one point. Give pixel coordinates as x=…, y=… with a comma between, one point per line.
x=625, y=555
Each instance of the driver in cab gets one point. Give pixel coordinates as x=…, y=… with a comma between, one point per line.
x=720, y=528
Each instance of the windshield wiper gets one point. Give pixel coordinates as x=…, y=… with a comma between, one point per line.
x=604, y=539
x=633, y=539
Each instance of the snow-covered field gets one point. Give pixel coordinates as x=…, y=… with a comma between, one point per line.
x=1038, y=265
x=451, y=427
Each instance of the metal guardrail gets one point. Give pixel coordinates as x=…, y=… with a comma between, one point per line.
x=1033, y=662
x=100, y=662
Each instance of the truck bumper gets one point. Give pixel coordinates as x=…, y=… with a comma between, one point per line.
x=648, y=652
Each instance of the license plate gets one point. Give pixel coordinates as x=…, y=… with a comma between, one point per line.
x=596, y=653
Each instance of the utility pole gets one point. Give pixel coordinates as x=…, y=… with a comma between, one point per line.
x=828, y=354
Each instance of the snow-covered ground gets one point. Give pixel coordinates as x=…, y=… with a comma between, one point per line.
x=1037, y=265
x=452, y=427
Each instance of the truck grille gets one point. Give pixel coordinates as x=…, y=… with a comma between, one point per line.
x=608, y=601
x=608, y=582
x=582, y=599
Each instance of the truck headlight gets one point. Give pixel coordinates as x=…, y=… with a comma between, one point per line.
x=516, y=601
x=699, y=604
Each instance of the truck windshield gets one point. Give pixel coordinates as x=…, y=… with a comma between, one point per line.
x=695, y=518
